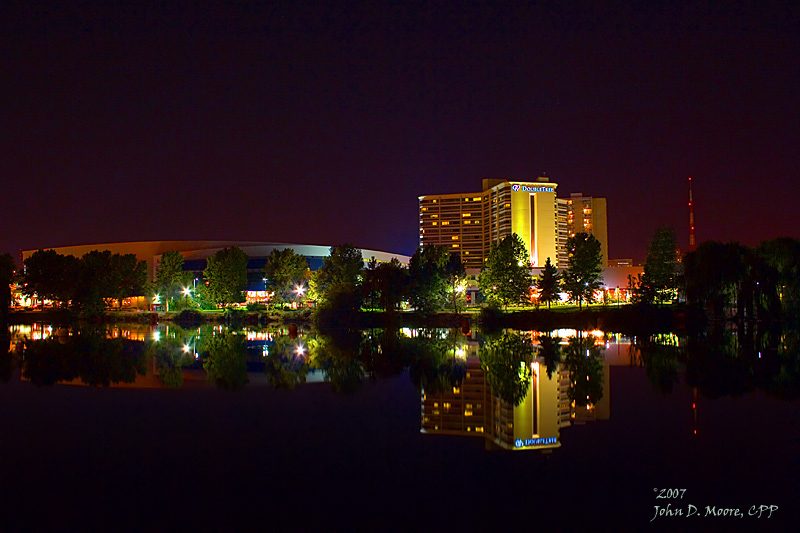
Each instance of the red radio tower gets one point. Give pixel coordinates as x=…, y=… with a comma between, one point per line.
x=691, y=218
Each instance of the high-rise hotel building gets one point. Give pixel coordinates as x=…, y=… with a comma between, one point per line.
x=469, y=223
x=585, y=214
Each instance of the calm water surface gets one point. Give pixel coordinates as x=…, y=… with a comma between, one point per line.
x=132, y=428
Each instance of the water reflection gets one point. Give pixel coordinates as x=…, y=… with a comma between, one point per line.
x=515, y=389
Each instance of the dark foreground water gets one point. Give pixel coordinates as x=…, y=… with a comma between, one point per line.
x=201, y=458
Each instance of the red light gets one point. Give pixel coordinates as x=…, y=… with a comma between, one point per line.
x=695, y=432
x=693, y=405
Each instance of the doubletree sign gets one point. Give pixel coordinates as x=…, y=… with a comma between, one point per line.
x=526, y=188
x=520, y=443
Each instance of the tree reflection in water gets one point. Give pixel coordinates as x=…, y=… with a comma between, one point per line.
x=285, y=364
x=170, y=356
x=87, y=354
x=337, y=356
x=584, y=360
x=225, y=359
x=723, y=362
x=506, y=361
x=718, y=361
x=7, y=357
x=436, y=363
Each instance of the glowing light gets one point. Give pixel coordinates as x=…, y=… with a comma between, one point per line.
x=156, y=336
x=187, y=291
x=300, y=350
x=186, y=348
x=299, y=289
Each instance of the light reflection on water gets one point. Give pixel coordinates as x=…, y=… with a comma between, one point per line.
x=516, y=389
x=415, y=406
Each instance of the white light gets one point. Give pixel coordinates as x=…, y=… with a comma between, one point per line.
x=186, y=348
x=156, y=336
x=299, y=290
x=300, y=349
x=187, y=291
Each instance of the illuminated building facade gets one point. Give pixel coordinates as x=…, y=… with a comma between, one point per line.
x=586, y=214
x=470, y=223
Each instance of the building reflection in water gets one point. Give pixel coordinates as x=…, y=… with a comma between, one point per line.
x=472, y=408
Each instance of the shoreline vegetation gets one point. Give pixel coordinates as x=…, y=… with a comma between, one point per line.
x=627, y=318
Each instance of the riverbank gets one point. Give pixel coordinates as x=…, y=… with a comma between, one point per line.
x=624, y=319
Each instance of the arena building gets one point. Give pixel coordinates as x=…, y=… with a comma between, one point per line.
x=195, y=254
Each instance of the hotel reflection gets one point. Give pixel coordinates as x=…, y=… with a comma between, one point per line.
x=472, y=409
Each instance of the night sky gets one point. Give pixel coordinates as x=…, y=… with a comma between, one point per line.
x=321, y=124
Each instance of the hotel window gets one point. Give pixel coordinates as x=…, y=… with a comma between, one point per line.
x=434, y=216
x=446, y=223
x=455, y=246
x=424, y=208
x=434, y=223
x=456, y=390
x=476, y=199
x=467, y=215
x=454, y=238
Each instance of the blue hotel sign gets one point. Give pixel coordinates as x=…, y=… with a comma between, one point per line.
x=526, y=188
x=521, y=443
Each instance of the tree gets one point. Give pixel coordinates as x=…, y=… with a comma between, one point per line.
x=506, y=276
x=385, y=283
x=548, y=283
x=226, y=276
x=7, y=268
x=284, y=270
x=342, y=268
x=127, y=277
x=783, y=256
x=455, y=274
x=170, y=276
x=427, y=283
x=584, y=272
x=50, y=276
x=93, y=283
x=659, y=280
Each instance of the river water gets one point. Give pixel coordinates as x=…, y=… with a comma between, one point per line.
x=137, y=428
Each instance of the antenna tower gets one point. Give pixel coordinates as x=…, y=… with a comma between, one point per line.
x=691, y=218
